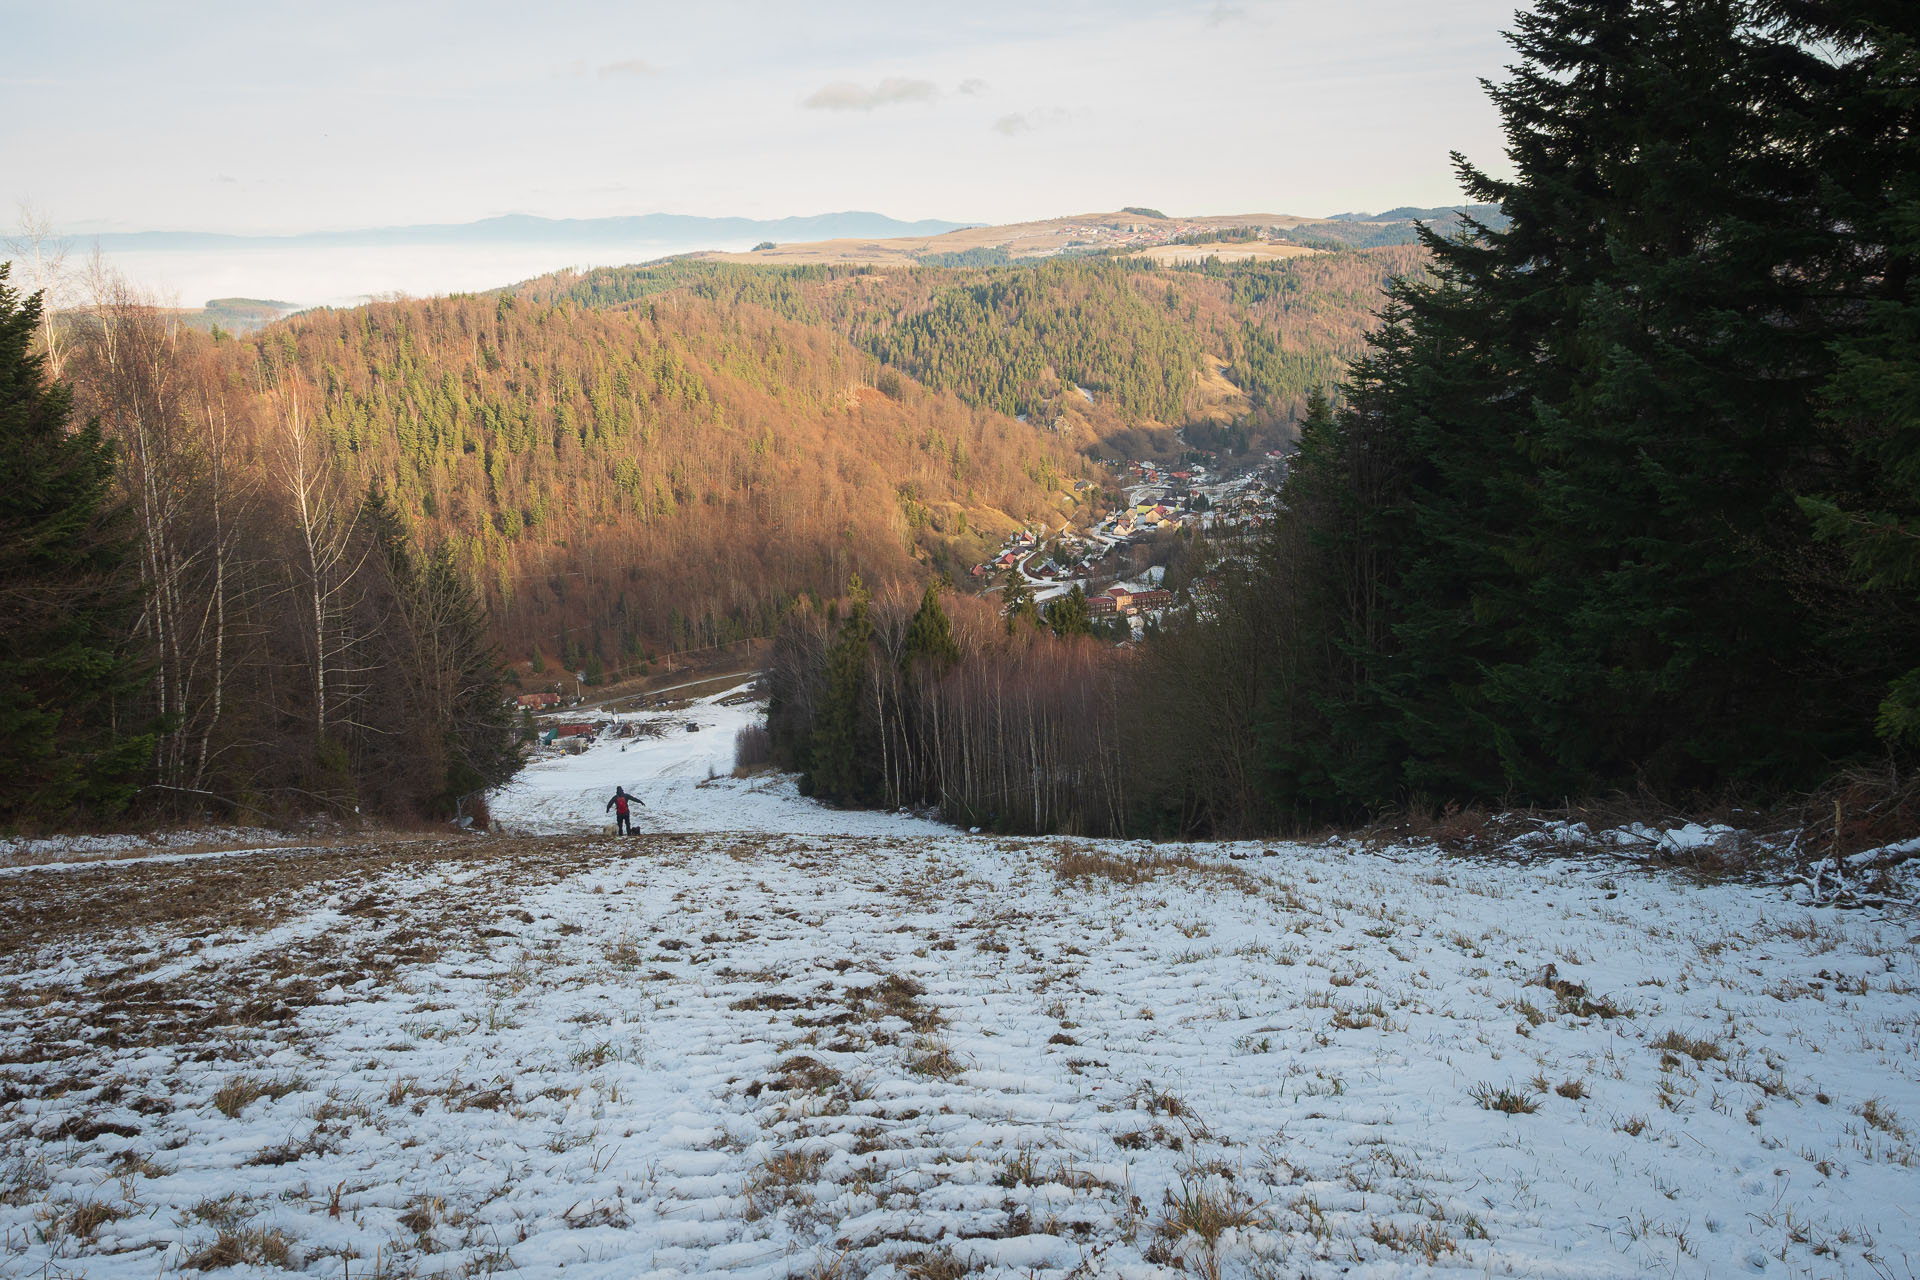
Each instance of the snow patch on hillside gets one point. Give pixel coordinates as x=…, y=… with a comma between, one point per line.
x=765, y=1039
x=680, y=767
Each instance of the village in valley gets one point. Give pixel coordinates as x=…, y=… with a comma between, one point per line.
x=1187, y=516
x=1119, y=560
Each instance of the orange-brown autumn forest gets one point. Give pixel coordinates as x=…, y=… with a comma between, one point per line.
x=619, y=482
x=630, y=462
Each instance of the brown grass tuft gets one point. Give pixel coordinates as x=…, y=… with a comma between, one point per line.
x=1084, y=862
x=935, y=1057
x=233, y=1097
x=1697, y=1049
x=84, y=1219
x=783, y=1178
x=1513, y=1102
x=246, y=1245
x=934, y=1264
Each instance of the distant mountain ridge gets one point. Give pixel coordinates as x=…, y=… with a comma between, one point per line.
x=522, y=229
x=1489, y=213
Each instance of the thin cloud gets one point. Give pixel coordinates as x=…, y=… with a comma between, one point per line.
x=894, y=91
x=973, y=87
x=1019, y=122
x=1222, y=14
x=626, y=67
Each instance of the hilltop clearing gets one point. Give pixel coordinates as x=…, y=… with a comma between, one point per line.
x=1042, y=237
x=1127, y=229
x=1188, y=254
x=803, y=1042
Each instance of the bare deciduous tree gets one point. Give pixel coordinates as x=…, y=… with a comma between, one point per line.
x=326, y=560
x=40, y=255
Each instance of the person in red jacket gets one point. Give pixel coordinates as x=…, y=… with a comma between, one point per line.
x=619, y=806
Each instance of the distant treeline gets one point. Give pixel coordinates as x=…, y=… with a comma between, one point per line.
x=1394, y=227
x=992, y=256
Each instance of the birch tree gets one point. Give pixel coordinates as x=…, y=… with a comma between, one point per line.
x=325, y=561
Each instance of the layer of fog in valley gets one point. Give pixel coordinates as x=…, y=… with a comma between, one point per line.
x=347, y=275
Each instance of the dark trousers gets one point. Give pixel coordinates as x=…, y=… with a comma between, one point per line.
x=623, y=823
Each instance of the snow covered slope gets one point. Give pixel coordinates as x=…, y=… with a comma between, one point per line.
x=682, y=773
x=766, y=1039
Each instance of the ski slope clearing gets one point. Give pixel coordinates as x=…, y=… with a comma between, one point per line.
x=680, y=766
x=916, y=1053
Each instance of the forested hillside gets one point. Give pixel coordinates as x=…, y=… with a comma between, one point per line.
x=1024, y=339
x=1021, y=337
x=622, y=482
x=338, y=526
x=324, y=537
x=203, y=612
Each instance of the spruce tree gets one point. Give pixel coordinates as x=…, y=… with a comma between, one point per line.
x=1586, y=429
x=1068, y=615
x=1322, y=570
x=930, y=641
x=1872, y=511
x=1017, y=600
x=842, y=766
x=1663, y=638
x=452, y=719
x=68, y=600
x=478, y=730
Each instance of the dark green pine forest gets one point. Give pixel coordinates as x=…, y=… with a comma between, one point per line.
x=1610, y=500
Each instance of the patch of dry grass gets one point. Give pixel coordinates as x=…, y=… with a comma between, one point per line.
x=83, y=1220
x=250, y=1246
x=1700, y=1050
x=1084, y=862
x=1198, y=1215
x=1879, y=1115
x=784, y=1178
x=933, y=1264
x=935, y=1057
x=1513, y=1102
x=233, y=1097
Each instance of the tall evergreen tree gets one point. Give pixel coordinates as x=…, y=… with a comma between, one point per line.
x=477, y=725
x=1584, y=431
x=1662, y=636
x=1017, y=600
x=930, y=641
x=1873, y=512
x=449, y=724
x=1319, y=593
x=841, y=758
x=1068, y=615
x=68, y=599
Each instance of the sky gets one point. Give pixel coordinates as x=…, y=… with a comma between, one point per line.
x=272, y=118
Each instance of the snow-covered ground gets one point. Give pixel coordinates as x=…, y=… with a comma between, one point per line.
x=682, y=772
x=766, y=1039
